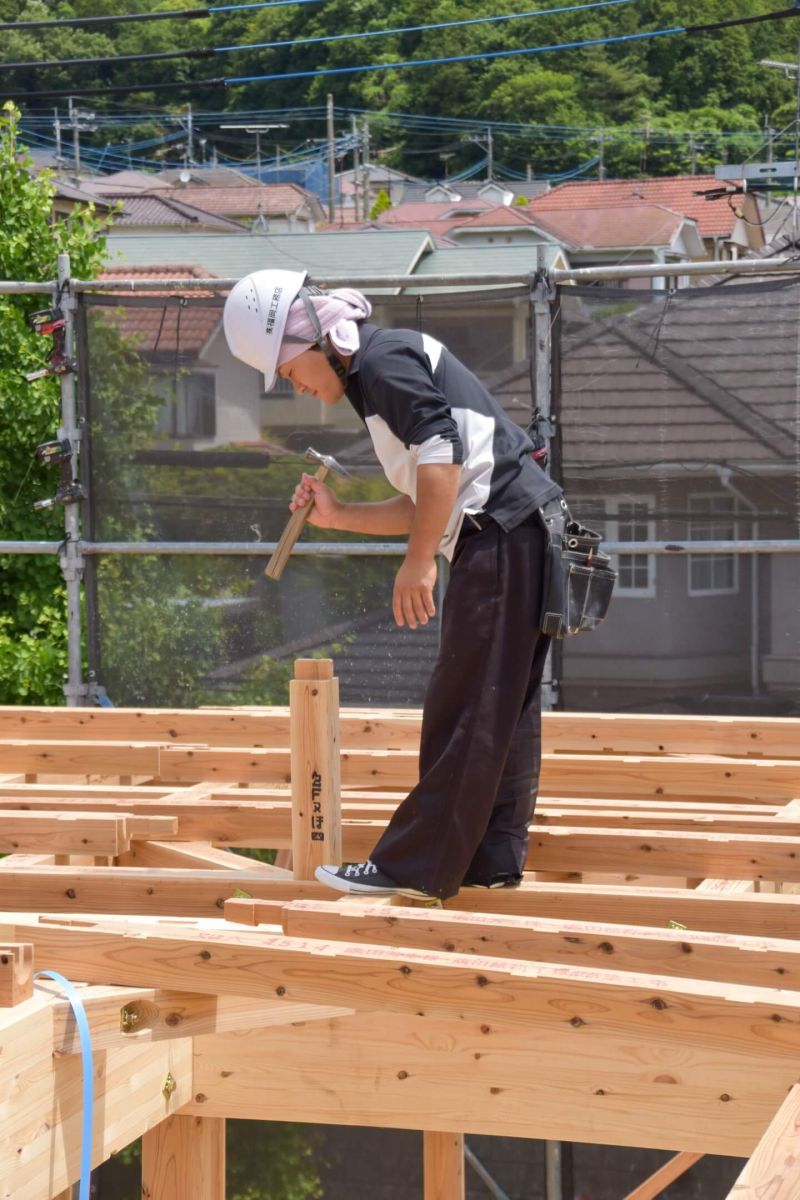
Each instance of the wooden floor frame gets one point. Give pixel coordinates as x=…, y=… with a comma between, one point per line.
x=641, y=988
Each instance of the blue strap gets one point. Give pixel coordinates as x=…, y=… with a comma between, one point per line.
x=79, y=1013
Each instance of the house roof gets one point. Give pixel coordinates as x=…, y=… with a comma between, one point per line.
x=230, y=255
x=464, y=259
x=208, y=177
x=677, y=192
x=67, y=191
x=120, y=181
x=471, y=190
x=421, y=212
x=612, y=226
x=162, y=327
x=164, y=209
x=273, y=199
x=495, y=218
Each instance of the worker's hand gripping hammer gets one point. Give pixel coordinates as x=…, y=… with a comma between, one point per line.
x=294, y=526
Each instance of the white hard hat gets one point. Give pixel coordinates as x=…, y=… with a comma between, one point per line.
x=254, y=317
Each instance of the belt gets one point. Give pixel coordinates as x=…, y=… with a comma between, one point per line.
x=478, y=520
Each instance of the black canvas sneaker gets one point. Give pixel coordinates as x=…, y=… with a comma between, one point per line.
x=365, y=879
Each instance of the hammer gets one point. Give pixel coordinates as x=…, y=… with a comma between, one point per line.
x=294, y=526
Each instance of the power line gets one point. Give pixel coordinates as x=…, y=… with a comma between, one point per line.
x=336, y=37
x=189, y=14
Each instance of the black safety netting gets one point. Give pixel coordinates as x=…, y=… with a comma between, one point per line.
x=677, y=418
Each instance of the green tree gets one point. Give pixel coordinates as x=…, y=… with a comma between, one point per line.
x=32, y=621
x=382, y=204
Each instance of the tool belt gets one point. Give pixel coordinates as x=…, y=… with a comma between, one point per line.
x=578, y=580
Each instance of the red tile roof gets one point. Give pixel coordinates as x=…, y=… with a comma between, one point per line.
x=155, y=328
x=275, y=199
x=714, y=218
x=612, y=225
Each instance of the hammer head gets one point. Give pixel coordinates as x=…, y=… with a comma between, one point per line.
x=325, y=460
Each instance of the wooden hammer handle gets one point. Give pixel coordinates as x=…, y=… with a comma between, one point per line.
x=294, y=527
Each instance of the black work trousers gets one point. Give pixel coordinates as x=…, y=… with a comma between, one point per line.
x=467, y=818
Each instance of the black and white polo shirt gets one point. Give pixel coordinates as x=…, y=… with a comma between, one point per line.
x=421, y=405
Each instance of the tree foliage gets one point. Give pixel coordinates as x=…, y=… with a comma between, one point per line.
x=32, y=629
x=705, y=84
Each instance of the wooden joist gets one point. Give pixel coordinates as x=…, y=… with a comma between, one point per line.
x=64, y=833
x=726, y=958
x=230, y=961
x=581, y=1076
x=773, y=1171
x=148, y=891
x=753, y=914
x=365, y=728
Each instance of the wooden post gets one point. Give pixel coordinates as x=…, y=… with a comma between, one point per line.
x=16, y=973
x=315, y=768
x=773, y=1171
x=183, y=1158
x=443, y=1155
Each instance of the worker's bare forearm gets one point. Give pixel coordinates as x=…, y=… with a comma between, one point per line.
x=437, y=489
x=389, y=517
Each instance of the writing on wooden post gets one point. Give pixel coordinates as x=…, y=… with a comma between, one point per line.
x=316, y=780
x=16, y=973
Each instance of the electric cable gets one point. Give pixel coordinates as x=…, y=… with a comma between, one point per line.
x=189, y=14
x=306, y=41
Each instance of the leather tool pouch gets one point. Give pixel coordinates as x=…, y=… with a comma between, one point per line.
x=578, y=579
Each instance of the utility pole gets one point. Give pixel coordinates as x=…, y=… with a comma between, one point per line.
x=489, y=154
x=331, y=163
x=354, y=128
x=693, y=155
x=365, y=166
x=189, y=136
x=76, y=120
x=257, y=130
x=57, y=131
x=601, y=165
x=769, y=133
x=528, y=172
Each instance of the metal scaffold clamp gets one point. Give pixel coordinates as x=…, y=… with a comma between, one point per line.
x=51, y=322
x=59, y=454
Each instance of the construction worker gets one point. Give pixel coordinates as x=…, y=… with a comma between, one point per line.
x=468, y=489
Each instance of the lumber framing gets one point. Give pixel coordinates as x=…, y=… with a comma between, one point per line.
x=603, y=1000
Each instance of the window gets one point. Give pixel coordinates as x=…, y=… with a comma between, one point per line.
x=712, y=517
x=625, y=519
x=280, y=389
x=190, y=408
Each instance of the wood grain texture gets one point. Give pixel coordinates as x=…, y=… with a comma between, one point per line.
x=183, y=1158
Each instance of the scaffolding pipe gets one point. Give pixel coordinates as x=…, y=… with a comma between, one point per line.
x=378, y=549
x=70, y=556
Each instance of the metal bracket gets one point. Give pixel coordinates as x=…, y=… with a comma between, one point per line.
x=129, y=1019
x=169, y=1085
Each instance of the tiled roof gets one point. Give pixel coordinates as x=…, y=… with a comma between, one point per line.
x=164, y=209
x=231, y=255
x=611, y=226
x=420, y=212
x=714, y=218
x=158, y=328
x=494, y=217
x=275, y=199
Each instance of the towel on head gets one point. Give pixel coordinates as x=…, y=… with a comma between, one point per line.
x=337, y=312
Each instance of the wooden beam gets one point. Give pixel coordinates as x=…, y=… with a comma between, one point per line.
x=773, y=1171
x=608, y=733
x=262, y=965
x=733, y=958
x=615, y=733
x=189, y=855
x=315, y=767
x=443, y=1160
x=775, y=915
x=63, y=833
x=148, y=891
x=601, y=1082
x=664, y=1176
x=717, y=855
x=125, y=1016
x=82, y=758
x=183, y=1158
x=16, y=973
